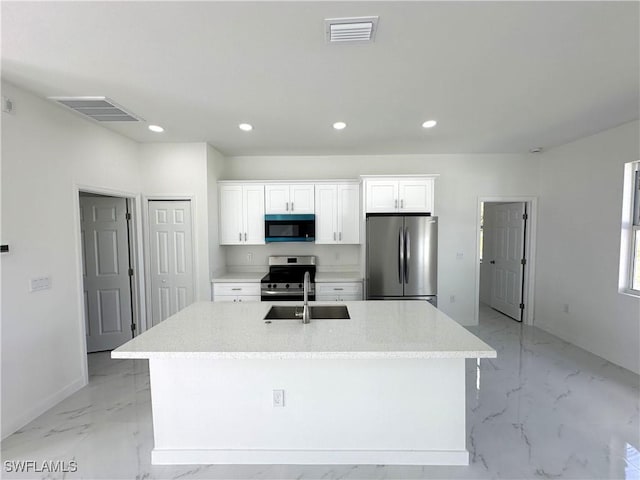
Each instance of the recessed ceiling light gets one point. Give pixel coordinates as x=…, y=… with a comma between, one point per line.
x=156, y=128
x=247, y=127
x=429, y=124
x=339, y=125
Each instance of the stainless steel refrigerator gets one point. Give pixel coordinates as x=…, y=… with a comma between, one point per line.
x=402, y=257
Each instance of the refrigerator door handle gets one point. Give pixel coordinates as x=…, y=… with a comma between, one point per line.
x=407, y=255
x=400, y=255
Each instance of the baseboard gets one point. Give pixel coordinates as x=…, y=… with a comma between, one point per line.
x=309, y=457
x=10, y=426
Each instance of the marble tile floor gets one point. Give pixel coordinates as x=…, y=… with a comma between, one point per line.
x=544, y=409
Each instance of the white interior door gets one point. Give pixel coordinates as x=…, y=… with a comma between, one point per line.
x=508, y=239
x=105, y=262
x=171, y=257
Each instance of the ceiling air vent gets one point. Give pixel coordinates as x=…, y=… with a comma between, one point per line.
x=350, y=30
x=100, y=109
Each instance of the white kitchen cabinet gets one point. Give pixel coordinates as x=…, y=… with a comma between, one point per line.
x=236, y=292
x=338, y=213
x=296, y=198
x=400, y=195
x=241, y=214
x=339, y=292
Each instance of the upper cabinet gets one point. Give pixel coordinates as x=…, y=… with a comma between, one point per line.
x=338, y=213
x=400, y=195
x=289, y=198
x=242, y=214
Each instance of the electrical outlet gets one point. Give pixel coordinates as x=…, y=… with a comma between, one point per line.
x=459, y=256
x=278, y=398
x=249, y=257
x=452, y=299
x=565, y=308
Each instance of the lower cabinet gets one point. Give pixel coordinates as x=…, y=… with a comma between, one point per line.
x=236, y=292
x=339, y=292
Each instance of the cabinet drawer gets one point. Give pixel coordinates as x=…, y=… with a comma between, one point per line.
x=236, y=289
x=341, y=289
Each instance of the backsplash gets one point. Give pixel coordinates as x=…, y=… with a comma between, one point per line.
x=331, y=258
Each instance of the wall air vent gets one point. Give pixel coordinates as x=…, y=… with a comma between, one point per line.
x=101, y=109
x=350, y=30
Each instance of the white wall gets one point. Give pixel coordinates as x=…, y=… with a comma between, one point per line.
x=45, y=152
x=579, y=246
x=215, y=168
x=463, y=178
x=170, y=170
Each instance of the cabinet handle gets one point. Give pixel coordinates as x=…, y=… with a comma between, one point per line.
x=237, y=288
x=334, y=236
x=239, y=299
x=340, y=236
x=286, y=206
x=401, y=203
x=245, y=236
x=338, y=288
x=239, y=236
x=395, y=203
x=292, y=206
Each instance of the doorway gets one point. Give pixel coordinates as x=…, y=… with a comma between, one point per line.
x=505, y=253
x=106, y=235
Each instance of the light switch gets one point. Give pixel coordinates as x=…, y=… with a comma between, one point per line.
x=40, y=283
x=459, y=256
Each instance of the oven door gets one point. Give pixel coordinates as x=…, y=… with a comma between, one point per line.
x=289, y=228
x=266, y=297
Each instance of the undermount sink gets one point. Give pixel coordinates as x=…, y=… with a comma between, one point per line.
x=317, y=312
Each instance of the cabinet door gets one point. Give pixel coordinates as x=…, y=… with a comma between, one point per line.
x=276, y=197
x=253, y=210
x=348, y=213
x=382, y=196
x=231, y=215
x=301, y=198
x=416, y=195
x=326, y=224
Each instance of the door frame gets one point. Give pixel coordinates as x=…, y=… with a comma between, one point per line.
x=136, y=245
x=531, y=202
x=147, y=245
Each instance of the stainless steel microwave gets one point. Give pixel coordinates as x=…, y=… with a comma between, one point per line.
x=289, y=228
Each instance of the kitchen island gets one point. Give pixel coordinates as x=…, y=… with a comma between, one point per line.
x=386, y=386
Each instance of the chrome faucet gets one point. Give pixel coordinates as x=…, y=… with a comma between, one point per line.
x=306, y=314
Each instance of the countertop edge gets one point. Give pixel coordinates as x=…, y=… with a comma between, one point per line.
x=304, y=355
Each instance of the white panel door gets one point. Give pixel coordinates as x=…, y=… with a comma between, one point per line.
x=171, y=257
x=302, y=198
x=416, y=195
x=231, y=215
x=348, y=213
x=326, y=219
x=508, y=237
x=105, y=261
x=253, y=214
x=382, y=196
x=276, y=198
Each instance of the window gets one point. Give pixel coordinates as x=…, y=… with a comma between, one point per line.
x=635, y=229
x=630, y=251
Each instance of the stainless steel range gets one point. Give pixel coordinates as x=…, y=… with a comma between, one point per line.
x=285, y=277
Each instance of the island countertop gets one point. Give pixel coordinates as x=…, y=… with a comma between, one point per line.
x=376, y=330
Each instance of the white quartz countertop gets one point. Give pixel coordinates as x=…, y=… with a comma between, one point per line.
x=321, y=277
x=376, y=330
x=240, y=277
x=326, y=277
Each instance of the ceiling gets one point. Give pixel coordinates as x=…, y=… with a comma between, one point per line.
x=499, y=77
